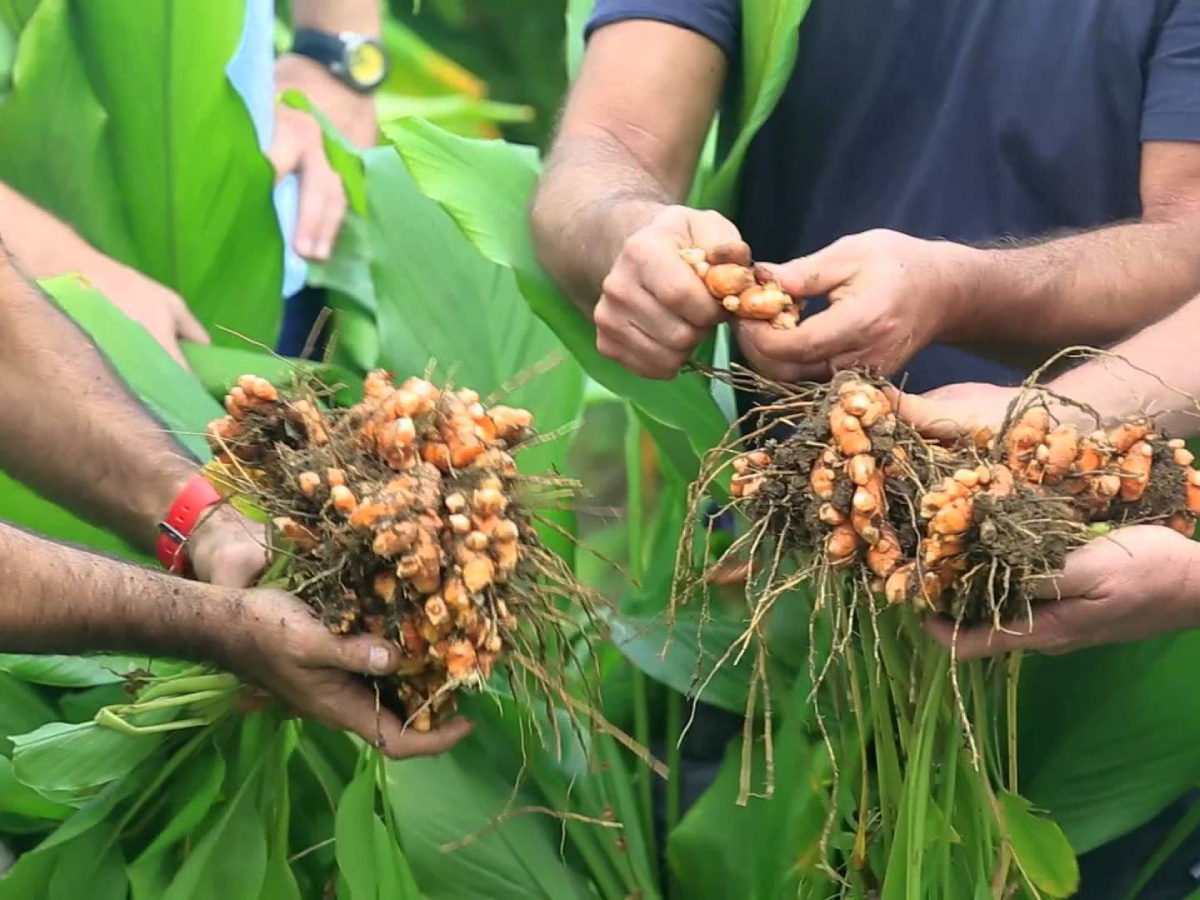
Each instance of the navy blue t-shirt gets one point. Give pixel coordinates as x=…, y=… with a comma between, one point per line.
x=970, y=120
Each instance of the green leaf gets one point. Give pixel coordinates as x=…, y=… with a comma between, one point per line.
x=173, y=395
x=59, y=759
x=356, y=855
x=768, y=56
x=1099, y=749
x=468, y=788
x=486, y=186
x=230, y=861
x=150, y=877
x=22, y=709
x=216, y=368
x=125, y=141
x=1040, y=847
x=22, y=800
x=91, y=866
x=70, y=671
x=192, y=794
x=692, y=652
x=279, y=883
x=440, y=299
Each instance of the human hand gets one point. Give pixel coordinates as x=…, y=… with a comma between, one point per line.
x=227, y=549
x=954, y=411
x=1135, y=583
x=889, y=296
x=275, y=640
x=653, y=310
x=298, y=146
x=155, y=307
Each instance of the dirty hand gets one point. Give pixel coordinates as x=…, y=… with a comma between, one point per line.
x=156, y=308
x=889, y=296
x=276, y=641
x=653, y=310
x=954, y=411
x=227, y=549
x=1132, y=584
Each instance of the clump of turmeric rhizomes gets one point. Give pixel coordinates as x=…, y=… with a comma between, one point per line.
x=402, y=516
x=967, y=530
x=748, y=291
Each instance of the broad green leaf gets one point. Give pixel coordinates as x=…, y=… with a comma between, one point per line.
x=22, y=708
x=467, y=788
x=22, y=800
x=70, y=671
x=174, y=396
x=439, y=299
x=192, y=794
x=230, y=861
x=693, y=649
x=1040, y=848
x=30, y=877
x=354, y=833
x=1099, y=749
x=577, y=16
x=91, y=866
x=150, y=877
x=769, y=44
x=279, y=883
x=486, y=187
x=133, y=169
x=60, y=759
x=217, y=368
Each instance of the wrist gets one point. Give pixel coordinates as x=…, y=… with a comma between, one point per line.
x=960, y=293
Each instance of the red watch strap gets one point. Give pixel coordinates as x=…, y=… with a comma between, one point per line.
x=194, y=498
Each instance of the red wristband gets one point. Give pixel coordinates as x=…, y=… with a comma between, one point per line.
x=194, y=498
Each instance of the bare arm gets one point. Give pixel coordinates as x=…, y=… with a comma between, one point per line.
x=58, y=599
x=894, y=294
x=605, y=217
x=45, y=246
x=1100, y=286
x=361, y=16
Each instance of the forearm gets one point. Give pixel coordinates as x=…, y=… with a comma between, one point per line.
x=69, y=428
x=58, y=599
x=593, y=196
x=1155, y=372
x=361, y=16
x=1091, y=288
x=43, y=245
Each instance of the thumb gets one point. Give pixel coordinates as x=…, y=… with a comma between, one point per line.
x=817, y=273
x=981, y=640
x=931, y=415
x=188, y=327
x=361, y=653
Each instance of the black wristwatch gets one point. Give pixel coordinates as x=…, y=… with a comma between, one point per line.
x=358, y=60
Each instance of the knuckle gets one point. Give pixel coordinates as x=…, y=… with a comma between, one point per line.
x=679, y=337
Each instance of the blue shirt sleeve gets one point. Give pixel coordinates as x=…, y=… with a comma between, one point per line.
x=717, y=20
x=1171, y=108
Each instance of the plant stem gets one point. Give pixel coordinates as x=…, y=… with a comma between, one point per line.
x=672, y=812
x=1014, y=675
x=641, y=714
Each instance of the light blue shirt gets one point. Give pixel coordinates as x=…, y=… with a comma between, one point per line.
x=252, y=73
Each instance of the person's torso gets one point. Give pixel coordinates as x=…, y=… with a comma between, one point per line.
x=970, y=120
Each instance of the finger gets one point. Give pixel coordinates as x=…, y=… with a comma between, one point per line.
x=677, y=288
x=720, y=237
x=188, y=327
x=736, y=252
x=816, y=341
x=315, y=196
x=818, y=273
x=428, y=743
x=633, y=350
x=284, y=152
x=362, y=653
x=926, y=413
x=331, y=208
x=748, y=333
x=982, y=640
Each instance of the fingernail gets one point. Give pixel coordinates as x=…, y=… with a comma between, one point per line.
x=304, y=246
x=323, y=251
x=379, y=659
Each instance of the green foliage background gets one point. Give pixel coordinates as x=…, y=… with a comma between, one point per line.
x=435, y=262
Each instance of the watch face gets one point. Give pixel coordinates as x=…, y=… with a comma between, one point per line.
x=366, y=64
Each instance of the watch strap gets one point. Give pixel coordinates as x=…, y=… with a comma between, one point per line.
x=196, y=496
x=325, y=48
